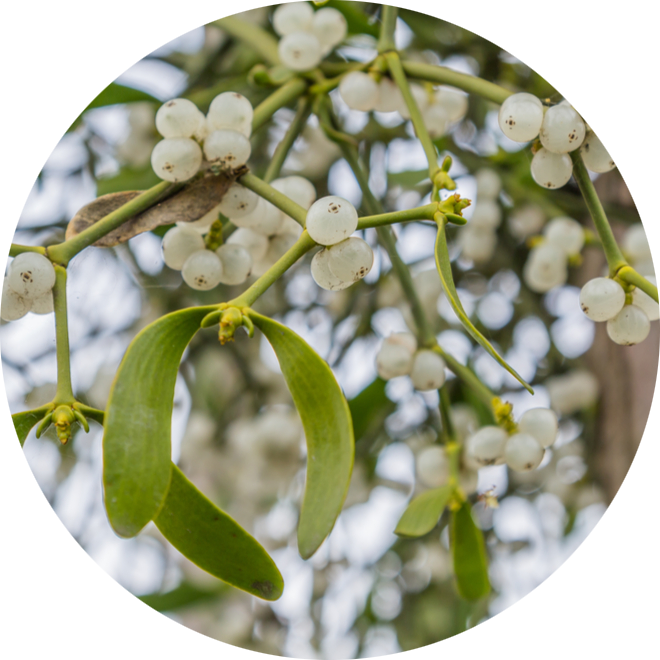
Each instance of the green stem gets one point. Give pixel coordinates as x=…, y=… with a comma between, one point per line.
x=64, y=252
x=420, y=213
x=448, y=432
x=278, y=99
x=387, y=26
x=331, y=83
x=303, y=245
x=64, y=392
x=16, y=249
x=256, y=37
x=443, y=76
x=396, y=69
x=283, y=148
x=629, y=275
x=275, y=197
x=614, y=256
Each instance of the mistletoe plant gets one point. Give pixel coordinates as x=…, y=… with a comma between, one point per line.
x=231, y=222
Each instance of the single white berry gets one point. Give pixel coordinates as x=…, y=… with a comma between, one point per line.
x=13, y=305
x=486, y=446
x=428, y=371
x=453, y=102
x=230, y=111
x=477, y=244
x=405, y=339
x=635, y=244
x=331, y=219
x=595, y=155
x=565, y=234
x=329, y=26
x=645, y=302
x=488, y=184
x=629, y=327
x=238, y=201
x=389, y=96
x=323, y=276
x=44, y=304
x=351, y=259
x=265, y=219
x=236, y=263
x=256, y=244
x=293, y=17
x=297, y=188
x=487, y=214
x=562, y=129
x=359, y=91
x=540, y=423
x=227, y=149
x=299, y=51
x=178, y=118
x=521, y=116
x=432, y=466
x=545, y=268
x=176, y=159
x=436, y=119
x=393, y=360
x=31, y=275
x=179, y=243
x=601, y=299
x=522, y=452
x=202, y=270
x=526, y=221
x=551, y=170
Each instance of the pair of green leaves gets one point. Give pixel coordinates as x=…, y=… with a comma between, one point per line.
x=443, y=265
x=466, y=539
x=141, y=484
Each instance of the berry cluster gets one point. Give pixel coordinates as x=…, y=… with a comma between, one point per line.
x=547, y=264
x=522, y=450
x=28, y=287
x=560, y=129
x=628, y=316
x=398, y=356
x=223, y=133
x=307, y=36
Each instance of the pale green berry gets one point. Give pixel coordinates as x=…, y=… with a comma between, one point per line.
x=522, y=452
x=428, y=370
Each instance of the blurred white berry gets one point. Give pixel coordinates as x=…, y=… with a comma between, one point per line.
x=521, y=116
x=236, y=263
x=297, y=188
x=256, y=244
x=453, y=102
x=629, y=327
x=635, y=244
x=545, y=268
x=176, y=159
x=428, y=370
x=178, y=244
x=477, y=244
x=601, y=299
x=436, y=120
x=488, y=184
x=572, y=391
x=421, y=97
x=486, y=446
x=238, y=201
x=359, y=91
x=487, y=214
x=293, y=17
x=389, y=96
x=331, y=219
x=541, y=424
x=299, y=51
x=565, y=234
x=329, y=26
x=395, y=357
x=522, y=452
x=432, y=466
x=645, y=302
x=526, y=221
x=265, y=219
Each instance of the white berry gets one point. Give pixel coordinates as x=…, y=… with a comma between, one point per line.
x=545, y=268
x=488, y=184
x=293, y=17
x=428, y=371
x=486, y=446
x=227, y=149
x=331, y=219
x=238, y=201
x=477, y=244
x=300, y=51
x=329, y=26
x=565, y=234
x=635, y=245
x=178, y=118
x=31, y=275
x=394, y=359
x=453, y=102
x=256, y=244
x=595, y=155
x=630, y=326
x=359, y=91
x=44, y=304
x=322, y=274
x=526, y=221
x=178, y=244
x=13, y=306
x=562, y=130
x=389, y=96
x=541, y=424
x=436, y=119
x=351, y=259
x=421, y=97
x=432, y=466
x=521, y=116
x=601, y=299
x=297, y=188
x=236, y=263
x=202, y=270
x=551, y=170
x=230, y=111
x=522, y=452
x=176, y=159
x=645, y=302
x=487, y=214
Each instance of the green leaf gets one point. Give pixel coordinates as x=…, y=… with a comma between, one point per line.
x=469, y=555
x=424, y=511
x=328, y=429
x=136, y=442
x=408, y=179
x=24, y=422
x=115, y=93
x=356, y=20
x=443, y=265
x=369, y=408
x=215, y=542
x=185, y=595
x=127, y=178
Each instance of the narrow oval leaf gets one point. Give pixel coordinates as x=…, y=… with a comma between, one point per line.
x=469, y=555
x=215, y=542
x=328, y=429
x=443, y=265
x=423, y=512
x=24, y=422
x=115, y=93
x=136, y=442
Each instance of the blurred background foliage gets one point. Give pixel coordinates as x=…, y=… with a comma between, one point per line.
x=235, y=433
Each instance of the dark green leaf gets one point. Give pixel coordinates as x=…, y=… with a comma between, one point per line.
x=423, y=512
x=115, y=93
x=127, y=178
x=443, y=265
x=469, y=555
x=184, y=595
x=370, y=407
x=215, y=542
x=24, y=422
x=328, y=429
x=136, y=442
